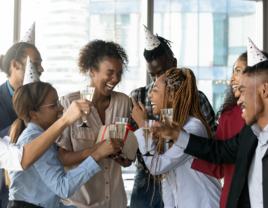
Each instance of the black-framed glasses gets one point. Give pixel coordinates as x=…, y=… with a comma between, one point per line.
x=55, y=105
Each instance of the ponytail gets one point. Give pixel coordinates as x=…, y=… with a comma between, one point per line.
x=16, y=129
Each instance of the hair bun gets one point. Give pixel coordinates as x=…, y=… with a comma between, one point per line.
x=1, y=62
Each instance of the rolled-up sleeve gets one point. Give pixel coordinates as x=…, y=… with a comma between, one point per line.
x=10, y=155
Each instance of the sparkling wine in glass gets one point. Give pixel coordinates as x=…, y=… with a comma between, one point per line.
x=86, y=93
x=121, y=126
x=167, y=116
x=147, y=124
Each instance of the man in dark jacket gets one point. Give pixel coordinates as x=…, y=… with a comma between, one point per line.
x=248, y=150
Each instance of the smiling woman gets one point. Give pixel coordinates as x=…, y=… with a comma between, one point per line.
x=104, y=62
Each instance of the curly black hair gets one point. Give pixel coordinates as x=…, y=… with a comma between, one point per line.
x=164, y=47
x=95, y=51
x=230, y=99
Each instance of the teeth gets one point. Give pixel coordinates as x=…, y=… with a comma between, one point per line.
x=111, y=86
x=234, y=86
x=243, y=110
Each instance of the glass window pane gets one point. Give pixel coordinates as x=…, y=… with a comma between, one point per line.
x=6, y=22
x=63, y=29
x=208, y=37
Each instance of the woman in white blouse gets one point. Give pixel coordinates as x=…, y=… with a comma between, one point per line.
x=182, y=186
x=15, y=158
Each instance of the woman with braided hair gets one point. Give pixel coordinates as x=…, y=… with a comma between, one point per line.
x=182, y=186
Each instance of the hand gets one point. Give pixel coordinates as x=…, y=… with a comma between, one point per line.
x=76, y=110
x=123, y=161
x=165, y=131
x=139, y=112
x=110, y=146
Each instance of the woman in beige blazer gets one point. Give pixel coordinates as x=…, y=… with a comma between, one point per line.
x=105, y=62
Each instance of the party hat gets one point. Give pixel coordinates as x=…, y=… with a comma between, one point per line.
x=151, y=41
x=31, y=74
x=29, y=36
x=255, y=56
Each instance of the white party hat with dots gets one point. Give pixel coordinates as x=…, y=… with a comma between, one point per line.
x=151, y=41
x=31, y=74
x=29, y=36
x=255, y=56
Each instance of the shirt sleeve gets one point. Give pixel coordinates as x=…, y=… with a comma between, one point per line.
x=10, y=155
x=172, y=158
x=50, y=169
x=64, y=139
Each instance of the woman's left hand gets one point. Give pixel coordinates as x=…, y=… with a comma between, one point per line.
x=139, y=112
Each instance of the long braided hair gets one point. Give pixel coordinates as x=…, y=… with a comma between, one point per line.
x=181, y=82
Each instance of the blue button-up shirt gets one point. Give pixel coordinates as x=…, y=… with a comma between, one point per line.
x=45, y=182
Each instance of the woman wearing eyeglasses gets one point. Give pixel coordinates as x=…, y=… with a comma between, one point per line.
x=45, y=182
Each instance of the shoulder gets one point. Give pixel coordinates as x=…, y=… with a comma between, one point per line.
x=27, y=136
x=73, y=96
x=119, y=96
x=3, y=88
x=196, y=127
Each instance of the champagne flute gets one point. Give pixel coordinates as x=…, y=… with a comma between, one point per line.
x=121, y=127
x=167, y=116
x=113, y=133
x=86, y=93
x=147, y=124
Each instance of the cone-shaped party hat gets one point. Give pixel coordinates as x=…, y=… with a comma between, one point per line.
x=255, y=56
x=151, y=41
x=31, y=74
x=29, y=36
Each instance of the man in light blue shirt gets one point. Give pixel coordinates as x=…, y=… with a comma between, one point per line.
x=45, y=182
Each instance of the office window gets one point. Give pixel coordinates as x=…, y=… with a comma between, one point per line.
x=6, y=22
x=63, y=27
x=208, y=36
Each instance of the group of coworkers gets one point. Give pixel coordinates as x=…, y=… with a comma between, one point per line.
x=52, y=162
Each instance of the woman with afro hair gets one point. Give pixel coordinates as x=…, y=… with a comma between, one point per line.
x=105, y=62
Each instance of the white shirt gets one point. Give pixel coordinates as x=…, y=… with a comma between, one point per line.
x=10, y=155
x=183, y=187
x=255, y=171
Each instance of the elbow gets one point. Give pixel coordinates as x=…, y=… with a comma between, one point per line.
x=24, y=165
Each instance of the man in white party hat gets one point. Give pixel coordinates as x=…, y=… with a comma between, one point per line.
x=13, y=64
x=159, y=58
x=248, y=149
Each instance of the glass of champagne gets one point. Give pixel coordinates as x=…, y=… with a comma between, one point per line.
x=121, y=125
x=113, y=133
x=167, y=116
x=86, y=93
x=147, y=124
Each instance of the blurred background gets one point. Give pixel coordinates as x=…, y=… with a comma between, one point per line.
x=207, y=35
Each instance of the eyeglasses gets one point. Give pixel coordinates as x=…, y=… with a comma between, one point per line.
x=55, y=105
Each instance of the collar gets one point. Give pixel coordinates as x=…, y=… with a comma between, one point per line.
x=11, y=91
x=35, y=127
x=261, y=135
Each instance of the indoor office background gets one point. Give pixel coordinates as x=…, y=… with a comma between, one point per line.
x=207, y=35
